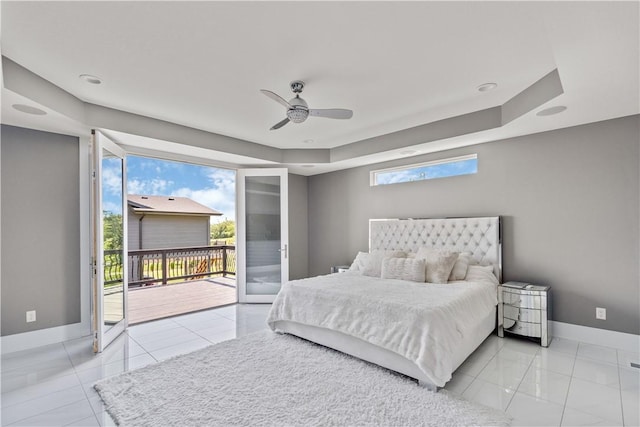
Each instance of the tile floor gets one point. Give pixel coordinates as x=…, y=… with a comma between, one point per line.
x=52, y=385
x=568, y=384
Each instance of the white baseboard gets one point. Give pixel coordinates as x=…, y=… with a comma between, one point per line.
x=28, y=340
x=586, y=334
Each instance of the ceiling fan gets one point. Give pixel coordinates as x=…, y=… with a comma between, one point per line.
x=298, y=110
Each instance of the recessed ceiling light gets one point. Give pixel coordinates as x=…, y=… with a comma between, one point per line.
x=308, y=166
x=90, y=79
x=308, y=141
x=486, y=87
x=408, y=152
x=551, y=111
x=29, y=109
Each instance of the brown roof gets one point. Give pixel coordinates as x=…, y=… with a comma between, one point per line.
x=168, y=205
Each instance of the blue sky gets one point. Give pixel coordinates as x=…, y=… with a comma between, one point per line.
x=463, y=167
x=212, y=187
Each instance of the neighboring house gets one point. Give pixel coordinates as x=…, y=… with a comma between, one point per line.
x=157, y=222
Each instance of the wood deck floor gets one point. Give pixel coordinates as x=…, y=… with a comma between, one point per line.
x=157, y=302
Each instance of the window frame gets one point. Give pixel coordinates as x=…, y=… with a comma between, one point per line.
x=374, y=173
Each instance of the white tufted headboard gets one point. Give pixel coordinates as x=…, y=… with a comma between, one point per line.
x=479, y=236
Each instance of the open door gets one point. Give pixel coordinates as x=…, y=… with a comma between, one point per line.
x=109, y=241
x=262, y=233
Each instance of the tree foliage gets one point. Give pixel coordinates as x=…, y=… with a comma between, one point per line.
x=225, y=230
x=112, y=229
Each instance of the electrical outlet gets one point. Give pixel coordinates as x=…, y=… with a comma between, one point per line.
x=601, y=313
x=31, y=316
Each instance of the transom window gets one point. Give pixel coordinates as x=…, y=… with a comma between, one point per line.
x=454, y=166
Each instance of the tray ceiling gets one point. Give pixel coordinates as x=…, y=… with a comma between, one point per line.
x=397, y=65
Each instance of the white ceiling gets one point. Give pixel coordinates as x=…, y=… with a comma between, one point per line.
x=396, y=64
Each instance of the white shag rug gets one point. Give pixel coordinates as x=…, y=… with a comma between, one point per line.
x=267, y=379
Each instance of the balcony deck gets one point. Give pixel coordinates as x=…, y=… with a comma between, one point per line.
x=170, y=281
x=149, y=303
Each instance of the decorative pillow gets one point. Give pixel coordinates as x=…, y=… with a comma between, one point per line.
x=373, y=267
x=439, y=263
x=403, y=269
x=359, y=263
x=459, y=271
x=481, y=273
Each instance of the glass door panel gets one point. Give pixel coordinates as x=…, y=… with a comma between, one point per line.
x=112, y=239
x=109, y=242
x=263, y=262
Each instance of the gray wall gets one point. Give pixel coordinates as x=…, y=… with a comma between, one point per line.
x=298, y=227
x=570, y=205
x=167, y=231
x=40, y=229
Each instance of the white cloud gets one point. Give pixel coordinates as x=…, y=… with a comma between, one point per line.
x=395, y=177
x=113, y=207
x=112, y=178
x=152, y=187
x=221, y=196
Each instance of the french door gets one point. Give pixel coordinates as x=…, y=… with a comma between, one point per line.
x=109, y=241
x=262, y=233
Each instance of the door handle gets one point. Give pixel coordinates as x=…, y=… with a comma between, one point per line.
x=284, y=250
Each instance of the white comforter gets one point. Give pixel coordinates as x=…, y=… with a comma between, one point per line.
x=423, y=322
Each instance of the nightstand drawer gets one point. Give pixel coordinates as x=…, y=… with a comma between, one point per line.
x=523, y=314
x=526, y=329
x=522, y=300
x=525, y=309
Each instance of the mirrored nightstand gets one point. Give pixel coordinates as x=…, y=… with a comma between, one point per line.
x=525, y=309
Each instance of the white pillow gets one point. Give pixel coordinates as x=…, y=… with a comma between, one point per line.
x=403, y=269
x=481, y=273
x=359, y=263
x=373, y=267
x=459, y=271
x=439, y=263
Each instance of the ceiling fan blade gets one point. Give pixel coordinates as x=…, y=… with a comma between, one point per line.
x=280, y=124
x=332, y=113
x=276, y=98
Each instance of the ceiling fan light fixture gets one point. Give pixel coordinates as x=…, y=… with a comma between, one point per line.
x=298, y=109
x=297, y=115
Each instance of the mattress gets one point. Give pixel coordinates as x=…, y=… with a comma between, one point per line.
x=425, y=323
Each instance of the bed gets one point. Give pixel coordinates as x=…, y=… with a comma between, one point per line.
x=422, y=330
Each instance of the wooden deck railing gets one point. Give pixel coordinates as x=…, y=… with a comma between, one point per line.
x=161, y=266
